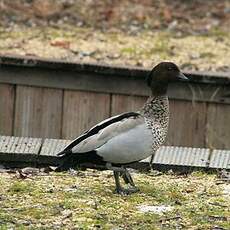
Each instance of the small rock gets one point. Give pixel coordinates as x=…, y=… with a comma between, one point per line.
x=113, y=56
x=30, y=170
x=172, y=25
x=217, y=228
x=2, y=168
x=194, y=56
x=155, y=209
x=24, y=222
x=87, y=53
x=66, y=214
x=226, y=190
x=73, y=188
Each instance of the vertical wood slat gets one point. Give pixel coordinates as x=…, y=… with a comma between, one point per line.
x=122, y=103
x=7, y=96
x=218, y=126
x=82, y=110
x=38, y=112
x=187, y=125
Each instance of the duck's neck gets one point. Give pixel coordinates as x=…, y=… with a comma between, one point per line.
x=157, y=108
x=159, y=89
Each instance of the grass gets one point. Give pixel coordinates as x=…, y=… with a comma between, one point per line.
x=209, y=51
x=87, y=201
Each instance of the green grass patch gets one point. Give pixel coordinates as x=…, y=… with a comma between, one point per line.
x=60, y=200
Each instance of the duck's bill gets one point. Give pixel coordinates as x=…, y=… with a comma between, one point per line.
x=182, y=76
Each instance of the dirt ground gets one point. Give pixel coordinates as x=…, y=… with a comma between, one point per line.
x=194, y=34
x=86, y=200
x=189, y=17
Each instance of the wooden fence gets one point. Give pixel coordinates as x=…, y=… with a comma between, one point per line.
x=42, y=98
x=37, y=152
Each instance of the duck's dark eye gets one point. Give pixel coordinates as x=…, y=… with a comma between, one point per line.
x=172, y=68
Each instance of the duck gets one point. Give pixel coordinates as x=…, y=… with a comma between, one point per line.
x=121, y=140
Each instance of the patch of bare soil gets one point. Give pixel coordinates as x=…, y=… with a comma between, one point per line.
x=86, y=200
x=195, y=16
x=194, y=34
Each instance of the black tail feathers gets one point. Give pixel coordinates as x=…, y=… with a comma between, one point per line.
x=67, y=159
x=64, y=153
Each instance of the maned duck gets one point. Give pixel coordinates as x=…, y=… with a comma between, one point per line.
x=128, y=137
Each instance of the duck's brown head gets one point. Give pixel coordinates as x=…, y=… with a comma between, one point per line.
x=163, y=74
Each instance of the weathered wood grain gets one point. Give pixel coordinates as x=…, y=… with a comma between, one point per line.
x=123, y=103
x=127, y=83
x=26, y=150
x=38, y=112
x=183, y=156
x=23, y=149
x=7, y=93
x=50, y=149
x=187, y=125
x=218, y=126
x=220, y=159
x=82, y=110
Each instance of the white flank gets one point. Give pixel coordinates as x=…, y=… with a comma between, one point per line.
x=133, y=145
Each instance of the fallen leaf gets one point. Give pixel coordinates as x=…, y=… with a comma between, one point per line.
x=62, y=44
x=167, y=14
x=20, y=174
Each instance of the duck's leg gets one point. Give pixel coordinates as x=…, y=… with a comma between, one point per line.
x=117, y=171
x=119, y=188
x=125, y=178
x=129, y=180
x=151, y=160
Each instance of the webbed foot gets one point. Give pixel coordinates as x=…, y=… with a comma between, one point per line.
x=127, y=191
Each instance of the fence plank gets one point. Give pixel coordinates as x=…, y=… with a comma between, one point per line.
x=34, y=150
x=187, y=124
x=208, y=87
x=218, y=128
x=183, y=156
x=50, y=149
x=38, y=112
x=7, y=94
x=83, y=110
x=220, y=159
x=122, y=103
x=24, y=149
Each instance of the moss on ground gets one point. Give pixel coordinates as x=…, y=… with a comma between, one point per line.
x=146, y=48
x=87, y=201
